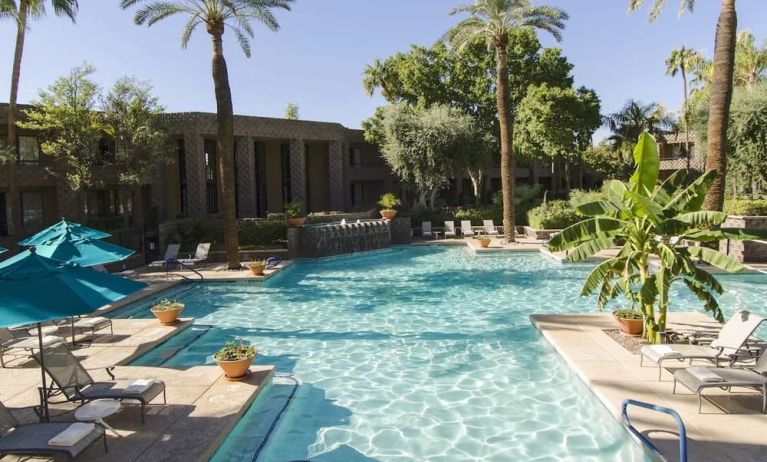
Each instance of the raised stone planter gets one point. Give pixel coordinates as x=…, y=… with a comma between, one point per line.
x=745, y=251
x=540, y=234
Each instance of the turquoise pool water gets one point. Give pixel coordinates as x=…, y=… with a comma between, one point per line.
x=415, y=354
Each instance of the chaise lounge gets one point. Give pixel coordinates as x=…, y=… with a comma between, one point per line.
x=20, y=341
x=426, y=229
x=697, y=379
x=35, y=439
x=730, y=345
x=75, y=383
x=466, y=230
x=449, y=229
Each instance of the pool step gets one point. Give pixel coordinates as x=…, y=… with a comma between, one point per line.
x=164, y=352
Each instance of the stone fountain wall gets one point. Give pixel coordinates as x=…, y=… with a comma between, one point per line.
x=326, y=240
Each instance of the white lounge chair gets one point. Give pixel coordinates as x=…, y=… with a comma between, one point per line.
x=729, y=344
x=20, y=341
x=466, y=230
x=426, y=229
x=449, y=229
x=489, y=228
x=200, y=255
x=171, y=253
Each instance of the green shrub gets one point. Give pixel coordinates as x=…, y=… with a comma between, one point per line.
x=526, y=197
x=262, y=233
x=746, y=207
x=477, y=215
x=553, y=215
x=254, y=234
x=579, y=197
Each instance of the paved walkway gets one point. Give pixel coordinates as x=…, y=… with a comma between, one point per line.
x=202, y=405
x=731, y=427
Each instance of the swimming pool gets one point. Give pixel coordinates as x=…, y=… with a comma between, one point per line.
x=415, y=354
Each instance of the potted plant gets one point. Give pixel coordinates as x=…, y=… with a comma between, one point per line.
x=484, y=241
x=388, y=202
x=235, y=359
x=167, y=311
x=630, y=320
x=294, y=212
x=257, y=267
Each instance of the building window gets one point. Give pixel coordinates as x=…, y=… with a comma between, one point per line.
x=102, y=203
x=28, y=149
x=32, y=209
x=211, y=175
x=358, y=194
x=287, y=193
x=355, y=157
x=182, y=185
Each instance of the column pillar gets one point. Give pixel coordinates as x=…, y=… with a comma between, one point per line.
x=195, y=175
x=298, y=171
x=245, y=158
x=336, y=175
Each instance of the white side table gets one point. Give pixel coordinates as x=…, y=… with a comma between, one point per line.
x=97, y=411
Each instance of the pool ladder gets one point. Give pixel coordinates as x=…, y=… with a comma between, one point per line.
x=182, y=266
x=644, y=439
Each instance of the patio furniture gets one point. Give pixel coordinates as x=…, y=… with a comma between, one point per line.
x=426, y=229
x=697, y=379
x=171, y=253
x=67, y=439
x=20, y=340
x=75, y=383
x=489, y=228
x=449, y=229
x=98, y=410
x=91, y=325
x=730, y=344
x=466, y=228
x=273, y=262
x=200, y=255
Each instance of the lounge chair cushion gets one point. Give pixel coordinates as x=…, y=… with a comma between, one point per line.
x=730, y=377
x=705, y=374
x=119, y=389
x=72, y=434
x=656, y=355
x=34, y=438
x=93, y=323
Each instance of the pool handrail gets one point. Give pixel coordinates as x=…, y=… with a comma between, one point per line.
x=646, y=441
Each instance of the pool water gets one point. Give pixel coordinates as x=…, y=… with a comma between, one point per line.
x=415, y=354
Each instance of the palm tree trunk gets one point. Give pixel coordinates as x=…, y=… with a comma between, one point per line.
x=719, y=102
x=686, y=116
x=225, y=116
x=14, y=221
x=508, y=169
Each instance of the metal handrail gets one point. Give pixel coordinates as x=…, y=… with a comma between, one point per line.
x=182, y=265
x=644, y=439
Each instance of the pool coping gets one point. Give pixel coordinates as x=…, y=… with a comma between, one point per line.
x=613, y=374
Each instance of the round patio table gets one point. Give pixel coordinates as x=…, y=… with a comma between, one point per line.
x=97, y=410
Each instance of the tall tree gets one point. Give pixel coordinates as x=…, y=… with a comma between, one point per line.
x=720, y=95
x=632, y=120
x=217, y=16
x=23, y=11
x=682, y=61
x=493, y=21
x=750, y=60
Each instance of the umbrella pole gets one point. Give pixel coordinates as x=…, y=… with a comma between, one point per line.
x=72, y=319
x=44, y=394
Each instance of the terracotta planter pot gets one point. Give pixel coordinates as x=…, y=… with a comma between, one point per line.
x=168, y=317
x=257, y=270
x=388, y=214
x=296, y=222
x=235, y=370
x=485, y=243
x=631, y=326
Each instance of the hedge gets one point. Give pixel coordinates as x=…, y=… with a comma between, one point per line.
x=254, y=234
x=553, y=215
x=746, y=207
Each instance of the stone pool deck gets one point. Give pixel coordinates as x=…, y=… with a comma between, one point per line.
x=730, y=428
x=202, y=405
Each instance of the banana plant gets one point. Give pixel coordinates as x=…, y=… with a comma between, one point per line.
x=659, y=229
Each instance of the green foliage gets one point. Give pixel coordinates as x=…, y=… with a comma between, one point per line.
x=746, y=207
x=253, y=234
x=552, y=215
x=292, y=112
x=607, y=162
x=747, y=134
x=388, y=201
x=70, y=128
x=235, y=351
x=294, y=209
x=580, y=197
x=167, y=305
x=628, y=313
x=477, y=215
x=647, y=220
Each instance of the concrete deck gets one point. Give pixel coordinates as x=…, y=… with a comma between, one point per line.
x=730, y=428
x=202, y=405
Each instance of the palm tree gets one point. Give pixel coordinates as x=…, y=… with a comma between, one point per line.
x=720, y=95
x=682, y=61
x=22, y=12
x=631, y=121
x=217, y=16
x=375, y=76
x=493, y=21
x=750, y=60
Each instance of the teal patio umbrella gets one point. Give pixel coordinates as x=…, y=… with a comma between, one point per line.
x=73, y=248
x=35, y=289
x=60, y=228
x=3, y=249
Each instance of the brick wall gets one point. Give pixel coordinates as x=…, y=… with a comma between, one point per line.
x=745, y=251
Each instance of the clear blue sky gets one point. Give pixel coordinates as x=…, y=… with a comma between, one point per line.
x=316, y=60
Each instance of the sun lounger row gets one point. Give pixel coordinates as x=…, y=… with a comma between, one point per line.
x=171, y=256
x=466, y=229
